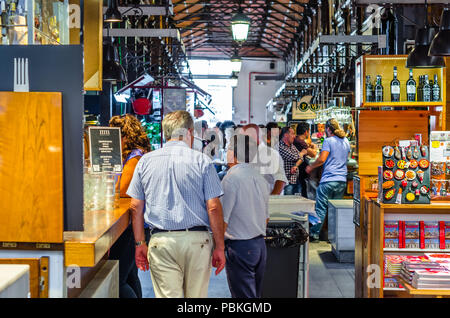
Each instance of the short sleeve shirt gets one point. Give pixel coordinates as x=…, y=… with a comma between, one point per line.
x=175, y=182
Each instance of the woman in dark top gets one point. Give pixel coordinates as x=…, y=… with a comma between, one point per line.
x=135, y=143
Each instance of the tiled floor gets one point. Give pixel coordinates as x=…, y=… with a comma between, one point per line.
x=327, y=277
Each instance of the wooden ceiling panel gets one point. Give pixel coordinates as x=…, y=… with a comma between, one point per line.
x=206, y=26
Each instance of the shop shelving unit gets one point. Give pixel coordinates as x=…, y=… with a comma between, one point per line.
x=377, y=127
x=407, y=212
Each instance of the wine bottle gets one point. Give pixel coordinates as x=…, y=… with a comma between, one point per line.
x=395, y=87
x=436, y=90
x=411, y=87
x=426, y=90
x=379, y=90
x=369, y=90
x=420, y=89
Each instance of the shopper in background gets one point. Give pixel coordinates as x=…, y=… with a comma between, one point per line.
x=180, y=190
x=227, y=129
x=268, y=161
x=292, y=159
x=302, y=141
x=246, y=213
x=135, y=143
x=334, y=156
x=272, y=134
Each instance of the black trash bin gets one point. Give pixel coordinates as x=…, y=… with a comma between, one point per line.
x=284, y=241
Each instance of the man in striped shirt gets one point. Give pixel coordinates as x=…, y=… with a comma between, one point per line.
x=180, y=189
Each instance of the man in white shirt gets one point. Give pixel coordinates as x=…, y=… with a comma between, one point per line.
x=268, y=162
x=246, y=213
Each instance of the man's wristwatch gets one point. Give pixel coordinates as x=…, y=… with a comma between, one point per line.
x=141, y=243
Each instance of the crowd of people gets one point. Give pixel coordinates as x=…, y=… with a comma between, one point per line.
x=201, y=201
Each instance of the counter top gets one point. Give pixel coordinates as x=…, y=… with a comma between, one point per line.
x=10, y=274
x=102, y=229
x=342, y=204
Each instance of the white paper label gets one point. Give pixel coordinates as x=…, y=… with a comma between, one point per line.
x=395, y=90
x=410, y=89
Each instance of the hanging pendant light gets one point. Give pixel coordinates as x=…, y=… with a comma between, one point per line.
x=112, y=70
x=234, y=79
x=240, y=25
x=418, y=58
x=440, y=46
x=112, y=14
x=236, y=63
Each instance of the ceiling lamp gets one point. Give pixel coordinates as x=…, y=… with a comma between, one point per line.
x=112, y=70
x=234, y=79
x=440, y=46
x=112, y=14
x=236, y=63
x=418, y=58
x=240, y=24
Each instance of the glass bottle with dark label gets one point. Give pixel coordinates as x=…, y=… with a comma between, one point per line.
x=395, y=87
x=420, y=89
x=378, y=90
x=369, y=90
x=436, y=90
x=411, y=87
x=426, y=90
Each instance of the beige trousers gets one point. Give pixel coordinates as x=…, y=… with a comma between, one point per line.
x=180, y=263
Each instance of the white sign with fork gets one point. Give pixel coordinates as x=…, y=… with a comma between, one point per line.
x=21, y=79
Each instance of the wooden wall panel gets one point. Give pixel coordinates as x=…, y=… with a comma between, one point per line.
x=379, y=128
x=31, y=167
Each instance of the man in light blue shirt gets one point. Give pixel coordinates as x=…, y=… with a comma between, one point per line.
x=334, y=156
x=180, y=189
x=246, y=212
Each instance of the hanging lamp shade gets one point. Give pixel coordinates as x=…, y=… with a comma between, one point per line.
x=440, y=46
x=234, y=79
x=236, y=63
x=112, y=14
x=240, y=25
x=112, y=70
x=418, y=58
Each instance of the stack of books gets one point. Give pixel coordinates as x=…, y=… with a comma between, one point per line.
x=394, y=262
x=408, y=269
x=431, y=279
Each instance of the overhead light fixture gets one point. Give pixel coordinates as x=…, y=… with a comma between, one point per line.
x=236, y=63
x=440, y=46
x=234, y=79
x=112, y=70
x=112, y=14
x=418, y=58
x=240, y=25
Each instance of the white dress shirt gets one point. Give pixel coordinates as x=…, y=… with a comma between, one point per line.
x=245, y=202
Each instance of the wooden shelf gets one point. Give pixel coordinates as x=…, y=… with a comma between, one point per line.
x=102, y=229
x=403, y=104
x=414, y=250
x=433, y=207
x=424, y=292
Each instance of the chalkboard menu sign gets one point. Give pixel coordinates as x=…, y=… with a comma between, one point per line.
x=105, y=149
x=174, y=99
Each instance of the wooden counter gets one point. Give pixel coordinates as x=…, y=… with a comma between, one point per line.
x=102, y=229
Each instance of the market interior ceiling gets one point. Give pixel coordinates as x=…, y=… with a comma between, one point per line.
x=205, y=26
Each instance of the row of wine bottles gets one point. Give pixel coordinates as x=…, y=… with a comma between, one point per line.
x=426, y=91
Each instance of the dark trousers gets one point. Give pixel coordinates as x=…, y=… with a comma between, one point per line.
x=124, y=250
x=245, y=266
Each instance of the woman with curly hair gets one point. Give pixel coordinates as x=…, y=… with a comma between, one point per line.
x=135, y=143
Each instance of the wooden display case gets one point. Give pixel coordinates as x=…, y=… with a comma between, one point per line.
x=408, y=212
x=383, y=65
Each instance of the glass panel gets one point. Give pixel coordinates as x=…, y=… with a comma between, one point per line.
x=40, y=22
